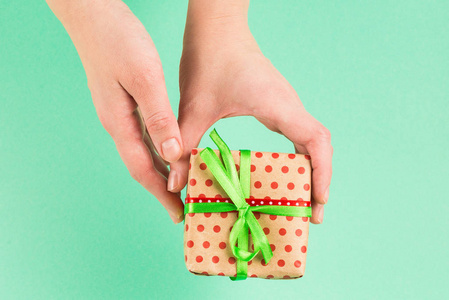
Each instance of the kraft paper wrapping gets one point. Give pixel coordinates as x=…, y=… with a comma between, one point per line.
x=274, y=176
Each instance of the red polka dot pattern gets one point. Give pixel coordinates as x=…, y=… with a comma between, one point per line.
x=209, y=253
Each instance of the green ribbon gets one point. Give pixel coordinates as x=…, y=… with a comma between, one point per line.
x=238, y=189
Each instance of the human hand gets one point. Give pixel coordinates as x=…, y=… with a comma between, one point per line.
x=127, y=84
x=224, y=74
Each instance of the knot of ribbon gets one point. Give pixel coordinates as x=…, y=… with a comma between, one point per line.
x=238, y=190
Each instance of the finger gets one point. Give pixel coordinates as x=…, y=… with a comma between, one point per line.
x=193, y=124
x=160, y=164
x=124, y=126
x=317, y=213
x=310, y=135
x=149, y=91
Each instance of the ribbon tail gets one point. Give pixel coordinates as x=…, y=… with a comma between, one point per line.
x=259, y=238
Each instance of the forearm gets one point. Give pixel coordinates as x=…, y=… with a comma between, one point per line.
x=212, y=21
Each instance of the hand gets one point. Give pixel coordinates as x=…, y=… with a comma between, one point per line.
x=126, y=80
x=224, y=74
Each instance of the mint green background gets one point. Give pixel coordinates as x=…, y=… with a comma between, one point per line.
x=74, y=225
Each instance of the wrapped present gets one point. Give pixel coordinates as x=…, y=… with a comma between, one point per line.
x=247, y=213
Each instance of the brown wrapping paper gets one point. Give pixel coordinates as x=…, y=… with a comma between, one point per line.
x=274, y=176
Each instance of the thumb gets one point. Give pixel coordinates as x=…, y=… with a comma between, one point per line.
x=192, y=126
x=150, y=94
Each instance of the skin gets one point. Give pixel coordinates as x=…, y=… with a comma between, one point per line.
x=223, y=73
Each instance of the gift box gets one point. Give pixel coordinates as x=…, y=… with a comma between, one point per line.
x=247, y=213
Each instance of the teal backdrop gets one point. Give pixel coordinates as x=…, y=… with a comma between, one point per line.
x=74, y=225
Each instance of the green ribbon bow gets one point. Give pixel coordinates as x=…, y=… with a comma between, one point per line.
x=238, y=189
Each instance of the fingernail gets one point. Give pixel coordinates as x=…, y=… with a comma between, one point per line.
x=171, y=150
x=326, y=195
x=172, y=180
x=177, y=218
x=320, y=213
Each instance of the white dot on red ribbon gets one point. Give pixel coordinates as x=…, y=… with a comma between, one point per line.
x=271, y=202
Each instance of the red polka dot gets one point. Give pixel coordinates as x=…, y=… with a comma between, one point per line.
x=199, y=258
x=268, y=168
x=192, y=182
x=300, y=199
x=191, y=215
x=275, y=155
x=257, y=215
x=209, y=182
x=253, y=168
x=231, y=260
x=273, y=217
x=200, y=228
x=305, y=219
x=288, y=248
x=306, y=187
x=221, y=274
x=289, y=218
x=284, y=198
x=206, y=244
x=187, y=227
x=194, y=151
x=237, y=167
x=190, y=166
x=281, y=263
x=286, y=277
x=251, y=197
x=270, y=276
x=250, y=262
x=274, y=185
x=282, y=231
x=217, y=228
x=301, y=170
x=207, y=215
x=215, y=259
x=290, y=185
x=297, y=263
x=298, y=232
x=224, y=215
x=266, y=230
x=218, y=196
x=201, y=196
x=252, y=247
x=273, y=247
x=257, y=184
x=259, y=154
x=291, y=156
x=307, y=157
x=222, y=245
x=284, y=169
x=203, y=166
x=190, y=244
x=267, y=197
x=262, y=262
x=185, y=257
x=254, y=275
x=230, y=229
x=303, y=249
